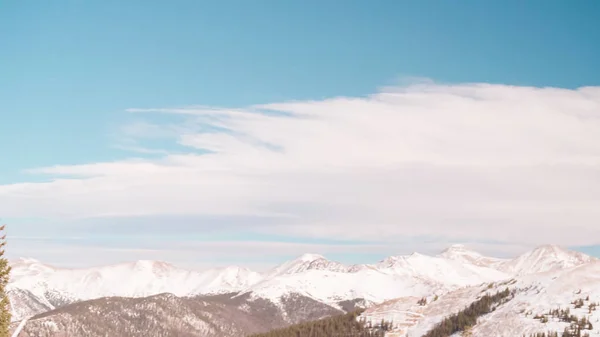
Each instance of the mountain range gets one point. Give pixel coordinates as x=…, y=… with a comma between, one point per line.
x=133, y=298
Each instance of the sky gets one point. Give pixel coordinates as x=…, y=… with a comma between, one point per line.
x=211, y=133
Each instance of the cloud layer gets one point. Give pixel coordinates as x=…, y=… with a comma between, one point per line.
x=473, y=162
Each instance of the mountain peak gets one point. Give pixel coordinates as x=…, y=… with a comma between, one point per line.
x=546, y=258
x=416, y=255
x=551, y=249
x=457, y=247
x=306, y=262
x=460, y=253
x=558, y=252
x=310, y=257
x=458, y=250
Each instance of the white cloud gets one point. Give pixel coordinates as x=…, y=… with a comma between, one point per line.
x=477, y=161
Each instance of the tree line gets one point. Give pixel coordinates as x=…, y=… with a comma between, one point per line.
x=467, y=318
x=347, y=325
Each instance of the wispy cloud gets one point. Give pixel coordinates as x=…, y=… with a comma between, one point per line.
x=140, y=149
x=471, y=161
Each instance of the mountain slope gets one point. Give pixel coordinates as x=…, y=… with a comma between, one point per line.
x=36, y=288
x=329, y=282
x=543, y=259
x=166, y=315
x=54, y=287
x=26, y=304
x=340, y=325
x=535, y=295
x=453, y=273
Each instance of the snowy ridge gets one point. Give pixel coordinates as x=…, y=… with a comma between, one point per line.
x=305, y=263
x=137, y=279
x=460, y=253
x=549, y=286
x=545, y=258
x=396, y=276
x=535, y=295
x=36, y=287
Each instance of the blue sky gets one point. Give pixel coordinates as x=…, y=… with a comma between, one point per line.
x=71, y=70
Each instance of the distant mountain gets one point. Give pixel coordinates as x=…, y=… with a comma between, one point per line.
x=450, y=272
x=53, y=287
x=136, y=279
x=460, y=253
x=36, y=288
x=304, y=263
x=330, y=282
x=543, y=259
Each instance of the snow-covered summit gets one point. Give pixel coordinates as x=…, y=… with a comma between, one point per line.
x=134, y=279
x=312, y=275
x=304, y=263
x=460, y=253
x=309, y=257
x=545, y=258
x=437, y=268
x=327, y=281
x=458, y=249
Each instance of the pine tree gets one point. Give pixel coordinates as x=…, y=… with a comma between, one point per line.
x=4, y=278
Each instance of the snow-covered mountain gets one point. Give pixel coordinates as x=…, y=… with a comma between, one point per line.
x=313, y=276
x=536, y=295
x=137, y=279
x=460, y=253
x=36, y=287
x=543, y=259
x=168, y=315
x=304, y=263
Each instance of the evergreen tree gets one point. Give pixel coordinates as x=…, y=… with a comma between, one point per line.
x=347, y=325
x=468, y=317
x=4, y=278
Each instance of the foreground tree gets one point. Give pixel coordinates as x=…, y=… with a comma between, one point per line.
x=4, y=278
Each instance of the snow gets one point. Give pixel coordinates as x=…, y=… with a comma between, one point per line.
x=304, y=263
x=141, y=278
x=137, y=279
x=457, y=276
x=460, y=253
x=545, y=258
x=546, y=278
x=331, y=282
x=437, y=268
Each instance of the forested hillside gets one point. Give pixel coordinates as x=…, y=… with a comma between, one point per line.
x=467, y=318
x=341, y=325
